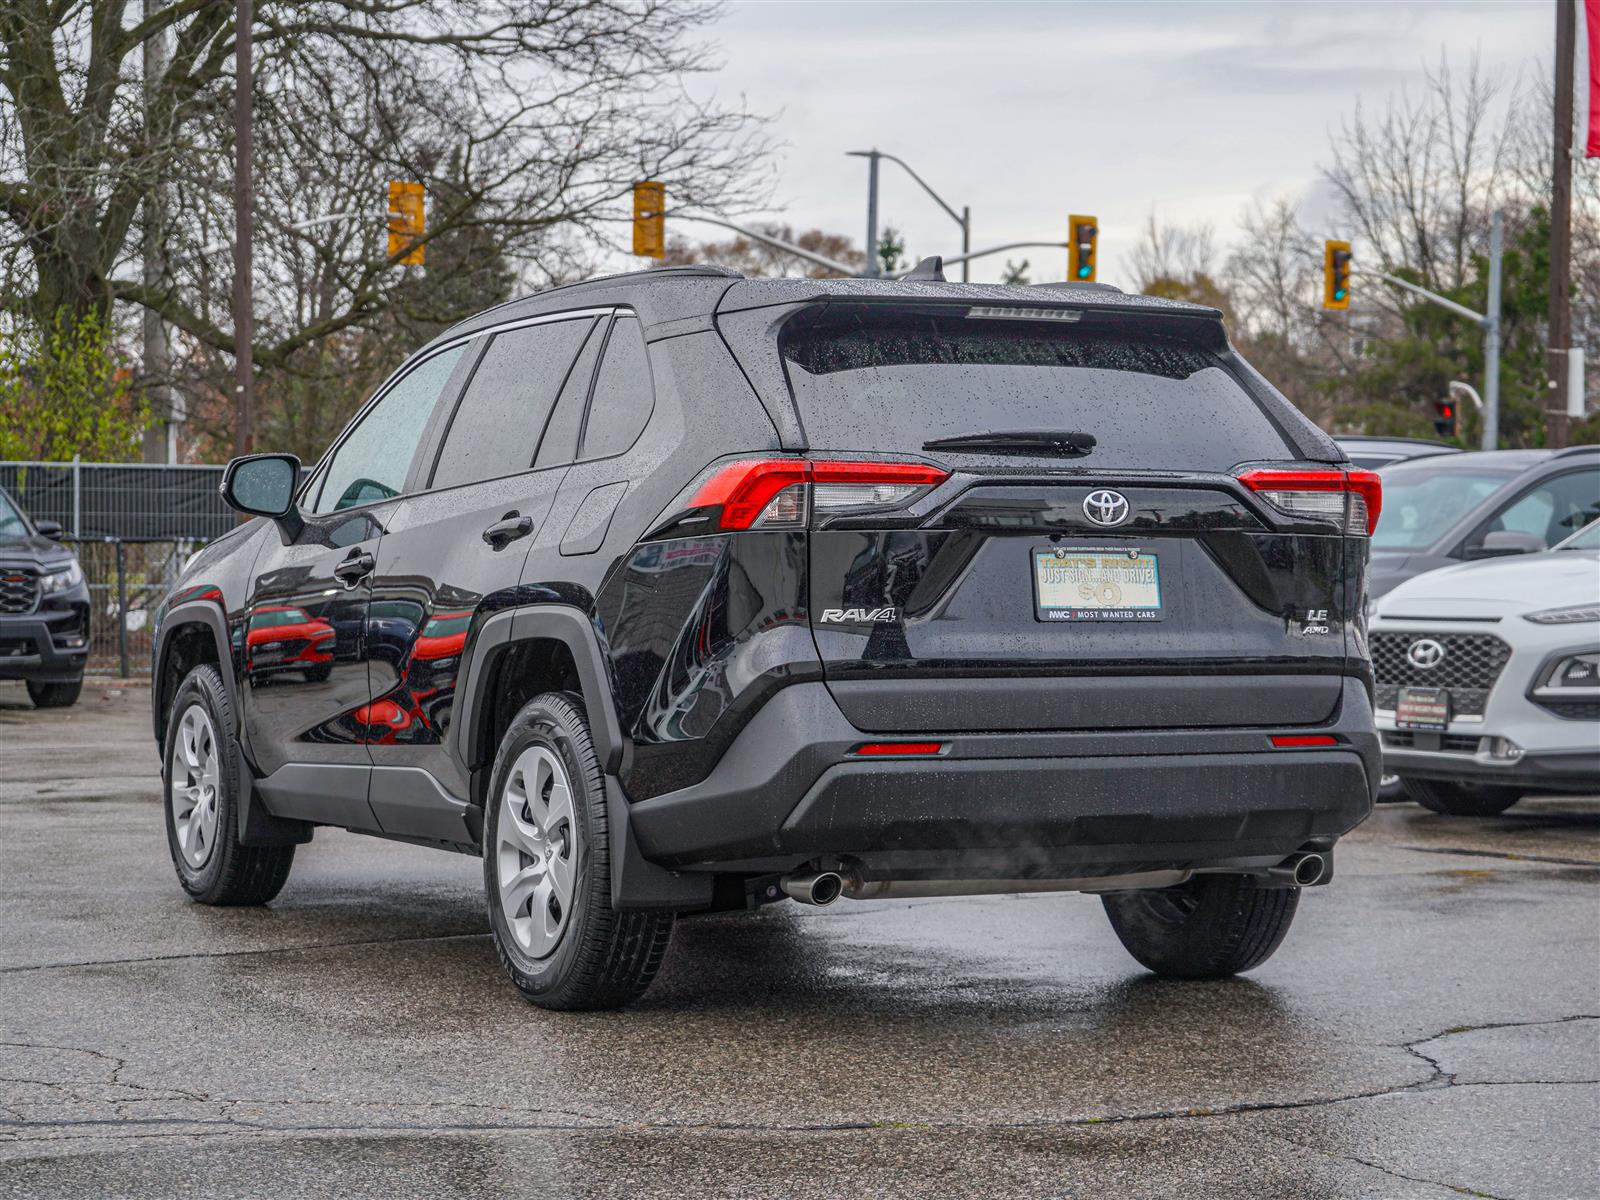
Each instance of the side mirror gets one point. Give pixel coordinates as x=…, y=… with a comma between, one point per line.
x=1505, y=542
x=263, y=486
x=49, y=529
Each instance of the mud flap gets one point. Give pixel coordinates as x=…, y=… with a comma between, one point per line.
x=636, y=882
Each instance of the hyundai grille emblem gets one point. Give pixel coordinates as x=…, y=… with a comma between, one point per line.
x=1106, y=507
x=1425, y=653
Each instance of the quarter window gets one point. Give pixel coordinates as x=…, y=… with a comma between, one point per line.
x=372, y=462
x=623, y=394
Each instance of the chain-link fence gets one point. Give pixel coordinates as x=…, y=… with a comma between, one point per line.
x=133, y=527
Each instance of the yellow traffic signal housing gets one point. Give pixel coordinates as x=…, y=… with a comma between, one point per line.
x=650, y=219
x=1081, y=256
x=1335, y=274
x=406, y=225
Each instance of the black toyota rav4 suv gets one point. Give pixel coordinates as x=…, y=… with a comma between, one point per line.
x=678, y=592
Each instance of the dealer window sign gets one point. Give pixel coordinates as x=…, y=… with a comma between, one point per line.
x=1096, y=583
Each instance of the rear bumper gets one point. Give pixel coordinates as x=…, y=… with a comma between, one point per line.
x=1012, y=805
x=28, y=649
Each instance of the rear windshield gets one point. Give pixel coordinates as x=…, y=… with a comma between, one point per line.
x=868, y=379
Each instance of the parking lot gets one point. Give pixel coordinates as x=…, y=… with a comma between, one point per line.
x=1430, y=1028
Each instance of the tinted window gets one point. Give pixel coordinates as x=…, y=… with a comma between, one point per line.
x=560, y=444
x=891, y=380
x=371, y=464
x=1555, y=509
x=496, y=427
x=11, y=523
x=1421, y=499
x=623, y=394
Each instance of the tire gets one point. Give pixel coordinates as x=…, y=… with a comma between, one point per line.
x=200, y=761
x=319, y=674
x=1392, y=790
x=1462, y=799
x=556, y=934
x=1208, y=928
x=56, y=695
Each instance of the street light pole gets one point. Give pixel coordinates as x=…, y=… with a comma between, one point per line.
x=243, y=325
x=962, y=218
x=1488, y=322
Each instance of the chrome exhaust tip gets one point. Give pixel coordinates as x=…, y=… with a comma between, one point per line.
x=820, y=888
x=1306, y=869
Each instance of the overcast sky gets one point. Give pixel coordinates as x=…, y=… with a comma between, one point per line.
x=1029, y=111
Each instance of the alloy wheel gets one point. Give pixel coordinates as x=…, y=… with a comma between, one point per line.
x=195, y=781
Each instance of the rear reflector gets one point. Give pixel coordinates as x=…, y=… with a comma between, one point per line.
x=1351, y=499
x=1301, y=740
x=774, y=493
x=898, y=748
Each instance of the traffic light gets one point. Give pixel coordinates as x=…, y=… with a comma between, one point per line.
x=406, y=222
x=650, y=219
x=1085, y=232
x=1444, y=418
x=1335, y=274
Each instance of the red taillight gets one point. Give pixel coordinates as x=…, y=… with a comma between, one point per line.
x=898, y=748
x=1351, y=498
x=1294, y=741
x=757, y=492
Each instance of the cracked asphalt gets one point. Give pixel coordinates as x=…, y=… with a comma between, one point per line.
x=1431, y=1027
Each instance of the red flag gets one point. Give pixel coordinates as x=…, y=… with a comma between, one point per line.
x=1591, y=141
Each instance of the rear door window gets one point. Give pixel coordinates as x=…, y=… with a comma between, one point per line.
x=496, y=428
x=892, y=379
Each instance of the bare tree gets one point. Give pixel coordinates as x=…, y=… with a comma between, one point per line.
x=526, y=120
x=1418, y=180
x=1169, y=252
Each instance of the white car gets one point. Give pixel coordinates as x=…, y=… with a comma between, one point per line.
x=1488, y=678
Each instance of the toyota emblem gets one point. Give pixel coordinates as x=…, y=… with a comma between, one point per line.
x=1425, y=653
x=1106, y=507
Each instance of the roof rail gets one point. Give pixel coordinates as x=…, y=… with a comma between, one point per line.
x=1589, y=448
x=689, y=269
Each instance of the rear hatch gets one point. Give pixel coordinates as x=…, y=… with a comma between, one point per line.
x=1096, y=556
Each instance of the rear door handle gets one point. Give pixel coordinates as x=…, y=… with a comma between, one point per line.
x=355, y=568
x=507, y=530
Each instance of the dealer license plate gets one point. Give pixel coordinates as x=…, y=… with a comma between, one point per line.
x=1075, y=583
x=1423, y=708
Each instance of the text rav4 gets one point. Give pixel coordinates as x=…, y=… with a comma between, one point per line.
x=845, y=616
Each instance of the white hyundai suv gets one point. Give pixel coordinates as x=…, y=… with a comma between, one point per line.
x=1488, y=678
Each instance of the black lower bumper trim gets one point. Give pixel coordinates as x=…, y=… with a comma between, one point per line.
x=1567, y=771
x=1031, y=804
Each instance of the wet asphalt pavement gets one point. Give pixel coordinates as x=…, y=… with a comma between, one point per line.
x=1431, y=1027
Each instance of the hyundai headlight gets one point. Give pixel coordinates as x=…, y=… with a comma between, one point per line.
x=1571, y=615
x=69, y=576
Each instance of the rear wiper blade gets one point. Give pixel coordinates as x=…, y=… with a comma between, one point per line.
x=1069, y=443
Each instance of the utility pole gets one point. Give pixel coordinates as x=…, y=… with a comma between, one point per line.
x=1561, y=230
x=1491, y=338
x=243, y=325
x=160, y=442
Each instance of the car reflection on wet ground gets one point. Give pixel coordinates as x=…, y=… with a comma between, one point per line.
x=1431, y=1027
